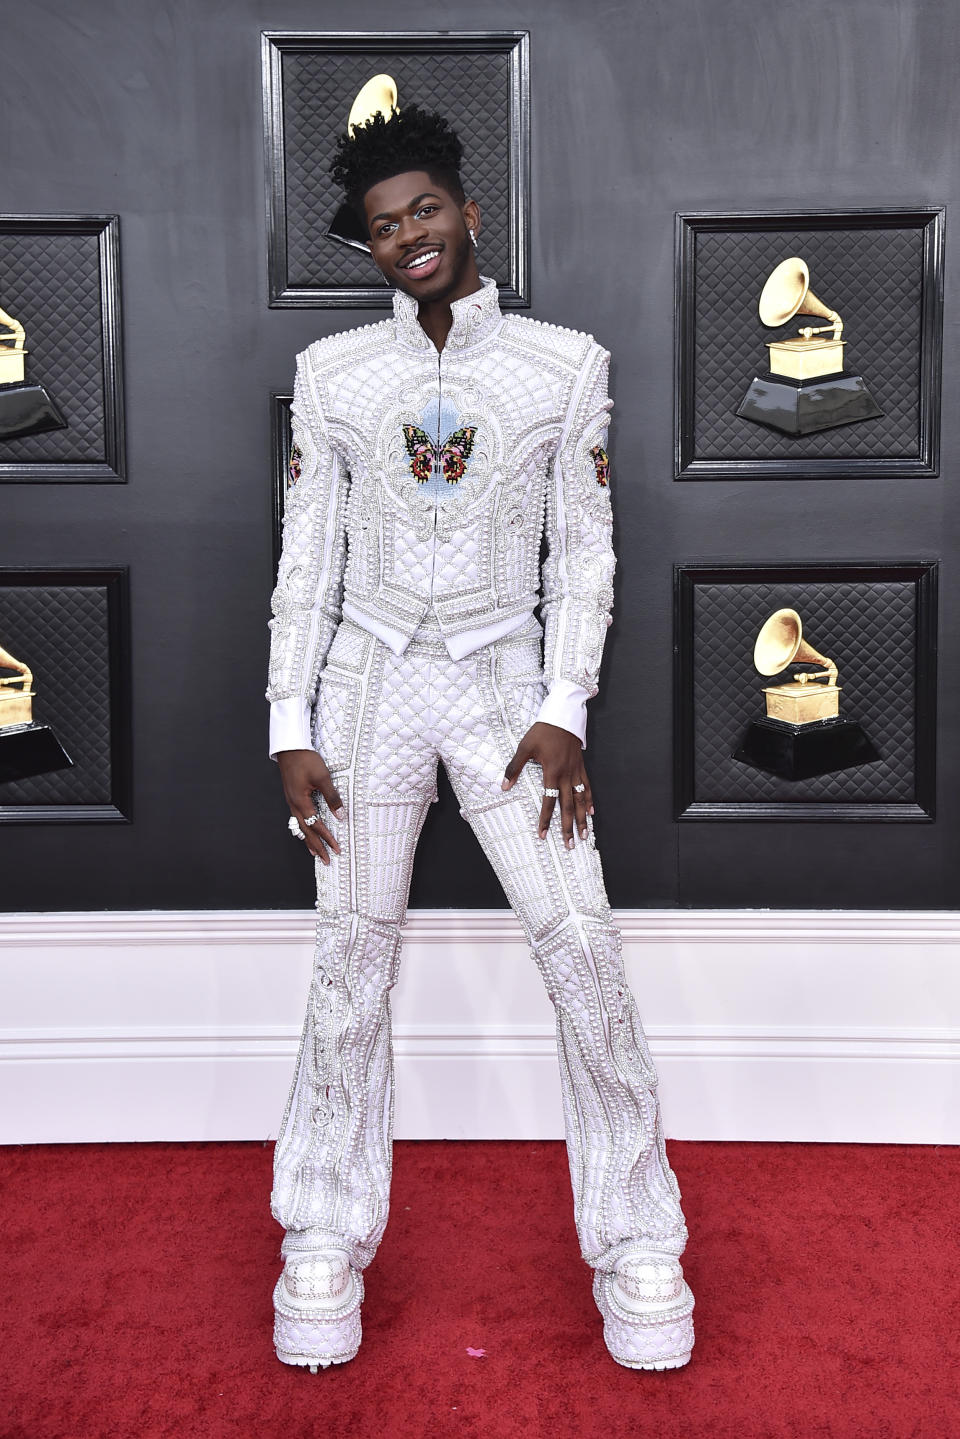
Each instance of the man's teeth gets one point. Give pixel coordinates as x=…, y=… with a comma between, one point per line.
x=423, y=259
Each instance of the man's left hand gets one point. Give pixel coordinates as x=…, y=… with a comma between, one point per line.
x=560, y=755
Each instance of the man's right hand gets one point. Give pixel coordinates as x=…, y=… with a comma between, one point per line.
x=302, y=772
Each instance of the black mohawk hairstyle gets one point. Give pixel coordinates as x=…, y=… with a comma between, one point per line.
x=412, y=139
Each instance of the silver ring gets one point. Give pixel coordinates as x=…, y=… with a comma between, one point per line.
x=579, y=788
x=293, y=825
x=311, y=819
x=551, y=794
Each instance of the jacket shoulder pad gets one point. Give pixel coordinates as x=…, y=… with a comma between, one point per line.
x=574, y=346
x=347, y=344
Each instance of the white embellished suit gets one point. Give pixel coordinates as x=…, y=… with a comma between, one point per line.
x=405, y=635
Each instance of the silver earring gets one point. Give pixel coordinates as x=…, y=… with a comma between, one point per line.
x=473, y=238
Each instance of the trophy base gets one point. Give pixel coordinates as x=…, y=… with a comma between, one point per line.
x=27, y=409
x=30, y=749
x=804, y=751
x=802, y=407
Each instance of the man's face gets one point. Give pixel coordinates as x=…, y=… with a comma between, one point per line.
x=419, y=237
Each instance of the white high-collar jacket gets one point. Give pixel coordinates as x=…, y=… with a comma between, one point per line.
x=425, y=482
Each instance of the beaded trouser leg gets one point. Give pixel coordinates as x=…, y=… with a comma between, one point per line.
x=382, y=723
x=332, y=1164
x=626, y=1197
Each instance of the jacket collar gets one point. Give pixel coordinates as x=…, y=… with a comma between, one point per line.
x=474, y=318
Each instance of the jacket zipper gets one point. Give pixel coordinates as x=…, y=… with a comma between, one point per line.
x=436, y=502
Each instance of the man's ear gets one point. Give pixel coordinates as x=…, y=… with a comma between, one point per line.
x=471, y=215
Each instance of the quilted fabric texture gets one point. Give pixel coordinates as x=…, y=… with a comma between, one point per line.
x=471, y=89
x=304, y=1341
x=321, y=1332
x=873, y=278
x=867, y=627
x=51, y=284
x=61, y=632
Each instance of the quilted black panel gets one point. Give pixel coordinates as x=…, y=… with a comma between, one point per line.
x=867, y=627
x=61, y=632
x=472, y=90
x=51, y=284
x=872, y=277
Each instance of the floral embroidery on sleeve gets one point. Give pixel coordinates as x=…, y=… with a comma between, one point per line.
x=601, y=464
x=296, y=463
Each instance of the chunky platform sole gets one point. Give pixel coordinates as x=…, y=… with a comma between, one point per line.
x=312, y=1337
x=656, y=1339
x=653, y=1363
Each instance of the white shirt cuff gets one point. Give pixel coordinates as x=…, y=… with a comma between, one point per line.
x=566, y=706
x=290, y=725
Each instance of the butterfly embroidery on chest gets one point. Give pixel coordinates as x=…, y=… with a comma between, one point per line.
x=450, y=458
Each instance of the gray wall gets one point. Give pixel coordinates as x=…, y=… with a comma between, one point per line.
x=153, y=111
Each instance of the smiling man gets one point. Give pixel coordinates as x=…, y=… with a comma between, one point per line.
x=431, y=452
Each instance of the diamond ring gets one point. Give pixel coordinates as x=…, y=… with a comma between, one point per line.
x=551, y=794
x=293, y=825
x=311, y=819
x=579, y=788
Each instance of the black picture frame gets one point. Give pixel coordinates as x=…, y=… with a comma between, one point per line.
x=277, y=47
x=796, y=459
x=281, y=440
x=95, y=278
x=922, y=575
x=114, y=688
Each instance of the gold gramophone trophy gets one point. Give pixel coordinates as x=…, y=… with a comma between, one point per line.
x=808, y=387
x=25, y=408
x=378, y=96
x=26, y=747
x=803, y=733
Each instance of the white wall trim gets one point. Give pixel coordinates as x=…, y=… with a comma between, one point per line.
x=764, y=1024
x=434, y=1041
x=438, y=926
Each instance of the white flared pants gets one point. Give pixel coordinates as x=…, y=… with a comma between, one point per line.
x=382, y=723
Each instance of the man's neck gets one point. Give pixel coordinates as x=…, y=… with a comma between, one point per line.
x=436, y=316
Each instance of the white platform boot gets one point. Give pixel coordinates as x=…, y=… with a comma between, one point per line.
x=647, y=1309
x=317, y=1309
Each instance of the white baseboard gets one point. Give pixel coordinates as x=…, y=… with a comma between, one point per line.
x=764, y=1025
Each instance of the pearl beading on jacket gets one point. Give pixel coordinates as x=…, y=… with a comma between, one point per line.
x=363, y=538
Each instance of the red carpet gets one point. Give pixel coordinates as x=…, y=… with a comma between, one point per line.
x=139, y=1279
